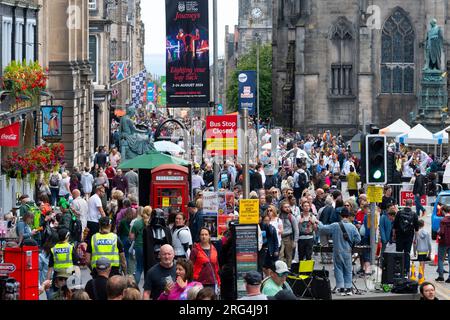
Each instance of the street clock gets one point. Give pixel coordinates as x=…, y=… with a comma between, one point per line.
x=257, y=13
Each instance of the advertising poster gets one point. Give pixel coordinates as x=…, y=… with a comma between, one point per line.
x=150, y=91
x=246, y=254
x=247, y=91
x=226, y=211
x=10, y=135
x=211, y=210
x=187, y=50
x=162, y=92
x=51, y=122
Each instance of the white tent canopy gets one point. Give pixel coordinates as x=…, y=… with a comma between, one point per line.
x=397, y=128
x=418, y=135
x=441, y=136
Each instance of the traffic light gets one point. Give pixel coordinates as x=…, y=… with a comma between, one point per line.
x=376, y=159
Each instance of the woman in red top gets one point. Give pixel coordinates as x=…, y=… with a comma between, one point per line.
x=205, y=260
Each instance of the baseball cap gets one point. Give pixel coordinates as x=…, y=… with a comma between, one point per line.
x=63, y=274
x=253, y=278
x=280, y=267
x=104, y=221
x=103, y=264
x=285, y=294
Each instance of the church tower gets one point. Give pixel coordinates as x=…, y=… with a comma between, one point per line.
x=255, y=20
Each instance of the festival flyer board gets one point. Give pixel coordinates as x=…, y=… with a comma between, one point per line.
x=246, y=254
x=211, y=211
x=226, y=211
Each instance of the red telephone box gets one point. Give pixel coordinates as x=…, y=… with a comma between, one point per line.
x=26, y=261
x=170, y=188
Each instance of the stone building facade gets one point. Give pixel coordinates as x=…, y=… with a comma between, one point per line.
x=64, y=35
x=335, y=61
x=255, y=20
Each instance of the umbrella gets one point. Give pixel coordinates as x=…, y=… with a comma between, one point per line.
x=151, y=160
x=167, y=146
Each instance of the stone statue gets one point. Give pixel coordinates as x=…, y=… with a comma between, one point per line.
x=134, y=142
x=433, y=47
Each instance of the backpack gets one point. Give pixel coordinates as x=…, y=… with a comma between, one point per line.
x=406, y=221
x=302, y=179
x=444, y=233
x=33, y=208
x=75, y=228
x=54, y=180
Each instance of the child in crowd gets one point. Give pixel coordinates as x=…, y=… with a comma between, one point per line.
x=423, y=245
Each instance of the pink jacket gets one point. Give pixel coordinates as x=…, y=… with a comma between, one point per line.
x=179, y=293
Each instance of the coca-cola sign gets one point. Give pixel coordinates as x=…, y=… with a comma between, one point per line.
x=9, y=136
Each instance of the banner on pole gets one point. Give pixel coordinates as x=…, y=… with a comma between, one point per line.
x=247, y=91
x=150, y=91
x=187, y=50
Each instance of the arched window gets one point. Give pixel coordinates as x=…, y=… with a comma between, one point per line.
x=342, y=53
x=397, y=55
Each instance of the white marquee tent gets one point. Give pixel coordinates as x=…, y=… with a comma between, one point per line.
x=441, y=136
x=418, y=135
x=397, y=128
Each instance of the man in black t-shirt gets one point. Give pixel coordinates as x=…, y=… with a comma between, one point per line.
x=387, y=199
x=96, y=288
x=160, y=274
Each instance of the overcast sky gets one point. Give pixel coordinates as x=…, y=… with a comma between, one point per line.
x=154, y=17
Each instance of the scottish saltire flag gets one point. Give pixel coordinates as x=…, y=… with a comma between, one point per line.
x=138, y=88
x=119, y=70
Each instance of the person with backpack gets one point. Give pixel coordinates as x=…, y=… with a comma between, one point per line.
x=301, y=181
x=405, y=227
x=444, y=243
x=55, y=177
x=345, y=236
x=289, y=235
x=70, y=221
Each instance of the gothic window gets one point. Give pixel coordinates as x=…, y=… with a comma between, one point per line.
x=397, y=55
x=341, y=36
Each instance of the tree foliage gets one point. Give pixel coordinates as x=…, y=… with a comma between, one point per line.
x=248, y=62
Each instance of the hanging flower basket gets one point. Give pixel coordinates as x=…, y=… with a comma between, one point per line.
x=24, y=80
x=42, y=159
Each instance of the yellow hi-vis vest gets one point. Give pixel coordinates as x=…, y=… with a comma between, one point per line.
x=105, y=245
x=62, y=256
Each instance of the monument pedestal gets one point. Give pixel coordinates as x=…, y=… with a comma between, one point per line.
x=432, y=100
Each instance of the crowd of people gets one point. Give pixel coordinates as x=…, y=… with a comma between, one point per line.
x=91, y=218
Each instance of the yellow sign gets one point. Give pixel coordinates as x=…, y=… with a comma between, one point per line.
x=375, y=194
x=249, y=211
x=165, y=202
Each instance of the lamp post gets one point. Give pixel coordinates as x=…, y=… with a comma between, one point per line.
x=258, y=41
x=216, y=168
